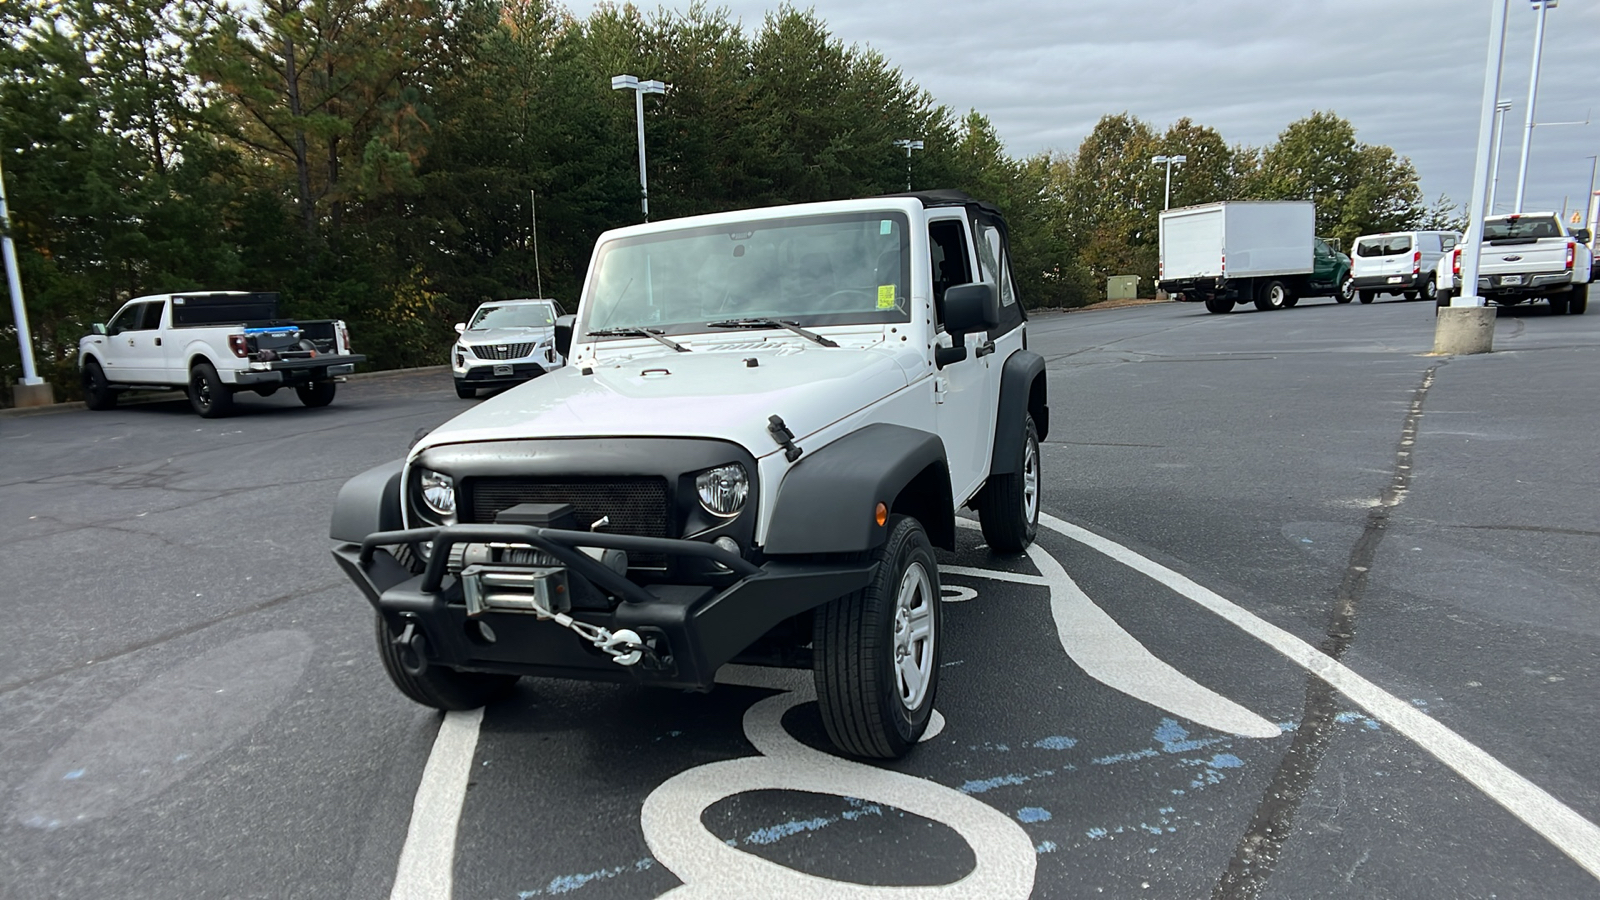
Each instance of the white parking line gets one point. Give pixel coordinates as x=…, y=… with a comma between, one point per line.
x=1553, y=820
x=427, y=862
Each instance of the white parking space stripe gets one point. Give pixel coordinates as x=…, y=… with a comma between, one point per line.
x=427, y=862
x=1550, y=818
x=1015, y=577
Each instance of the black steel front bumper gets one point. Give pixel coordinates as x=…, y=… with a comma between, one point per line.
x=692, y=628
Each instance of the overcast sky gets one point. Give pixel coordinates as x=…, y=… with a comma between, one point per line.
x=1407, y=73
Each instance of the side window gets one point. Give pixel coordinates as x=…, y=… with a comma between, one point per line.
x=992, y=259
x=127, y=319
x=151, y=320
x=947, y=244
x=1447, y=242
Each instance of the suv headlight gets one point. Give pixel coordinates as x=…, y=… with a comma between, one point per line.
x=723, y=490
x=438, y=493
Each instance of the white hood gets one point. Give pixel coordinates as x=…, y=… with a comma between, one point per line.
x=710, y=392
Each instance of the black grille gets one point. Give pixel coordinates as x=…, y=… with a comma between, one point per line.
x=501, y=351
x=636, y=506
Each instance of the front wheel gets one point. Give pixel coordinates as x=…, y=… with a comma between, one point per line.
x=877, y=650
x=432, y=685
x=207, y=394
x=1219, y=305
x=1008, y=508
x=317, y=393
x=1273, y=295
x=1368, y=296
x=466, y=391
x=1347, y=290
x=97, y=392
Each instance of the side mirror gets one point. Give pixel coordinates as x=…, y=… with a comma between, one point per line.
x=971, y=307
x=97, y=328
x=1583, y=235
x=564, y=326
x=460, y=327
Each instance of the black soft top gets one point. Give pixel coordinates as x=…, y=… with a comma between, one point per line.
x=950, y=197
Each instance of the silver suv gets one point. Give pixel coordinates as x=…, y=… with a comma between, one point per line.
x=505, y=342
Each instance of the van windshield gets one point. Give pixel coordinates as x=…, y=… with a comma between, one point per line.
x=840, y=269
x=1384, y=246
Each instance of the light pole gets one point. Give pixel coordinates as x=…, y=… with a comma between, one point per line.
x=1541, y=7
x=909, y=146
x=1500, y=110
x=1472, y=244
x=1170, y=161
x=639, y=88
x=19, y=312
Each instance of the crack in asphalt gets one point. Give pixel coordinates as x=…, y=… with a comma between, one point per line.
x=1258, y=850
x=174, y=634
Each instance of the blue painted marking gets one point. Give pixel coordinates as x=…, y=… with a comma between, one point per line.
x=774, y=833
x=1096, y=834
x=74, y=775
x=1125, y=757
x=1226, y=761
x=1031, y=814
x=989, y=784
x=1046, y=847
x=1056, y=742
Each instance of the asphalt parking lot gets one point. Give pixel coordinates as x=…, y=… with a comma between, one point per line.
x=1313, y=614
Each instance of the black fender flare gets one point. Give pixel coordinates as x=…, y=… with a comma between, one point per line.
x=1023, y=390
x=827, y=502
x=368, y=503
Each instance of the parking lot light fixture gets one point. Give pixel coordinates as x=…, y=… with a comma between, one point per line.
x=1542, y=7
x=1500, y=110
x=908, y=145
x=1169, y=161
x=1472, y=243
x=639, y=88
x=19, y=312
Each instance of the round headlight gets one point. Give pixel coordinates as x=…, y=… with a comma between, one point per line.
x=438, y=493
x=723, y=490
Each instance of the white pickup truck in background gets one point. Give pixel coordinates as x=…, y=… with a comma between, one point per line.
x=1525, y=257
x=213, y=344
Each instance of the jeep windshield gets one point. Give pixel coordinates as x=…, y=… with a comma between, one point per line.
x=844, y=269
x=1520, y=229
x=525, y=315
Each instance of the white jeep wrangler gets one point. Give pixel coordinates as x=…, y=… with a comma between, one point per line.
x=769, y=422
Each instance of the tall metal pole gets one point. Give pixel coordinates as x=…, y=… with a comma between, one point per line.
x=18, y=311
x=644, y=187
x=1500, y=110
x=1471, y=246
x=533, y=212
x=1542, y=7
x=909, y=146
x=1166, y=200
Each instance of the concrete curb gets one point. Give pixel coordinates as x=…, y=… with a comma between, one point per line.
x=166, y=396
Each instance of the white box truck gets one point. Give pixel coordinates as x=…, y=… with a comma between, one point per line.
x=1261, y=252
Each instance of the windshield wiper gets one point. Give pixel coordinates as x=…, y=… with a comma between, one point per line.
x=773, y=323
x=651, y=333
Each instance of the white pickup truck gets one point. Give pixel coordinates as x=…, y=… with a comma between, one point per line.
x=1526, y=256
x=213, y=344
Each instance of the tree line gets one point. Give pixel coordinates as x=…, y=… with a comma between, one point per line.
x=375, y=160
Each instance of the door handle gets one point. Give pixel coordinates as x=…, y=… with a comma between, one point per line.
x=984, y=349
x=158, y=342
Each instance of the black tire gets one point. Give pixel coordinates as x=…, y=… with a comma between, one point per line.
x=466, y=392
x=1368, y=296
x=437, y=686
x=1290, y=302
x=1008, y=507
x=1430, y=291
x=207, y=394
x=1558, y=306
x=857, y=641
x=97, y=393
x=1274, y=294
x=1409, y=295
x=265, y=391
x=1347, y=290
x=316, y=394
x=1578, y=300
x=1219, y=305
x=1443, y=298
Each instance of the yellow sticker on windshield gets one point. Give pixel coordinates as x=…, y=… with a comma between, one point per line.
x=886, y=296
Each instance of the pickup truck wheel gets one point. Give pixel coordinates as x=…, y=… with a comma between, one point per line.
x=207, y=394
x=1219, y=305
x=317, y=393
x=466, y=391
x=265, y=391
x=97, y=393
x=1273, y=295
x=1347, y=290
x=437, y=686
x=1558, y=306
x=1368, y=296
x=1578, y=300
x=877, y=650
x=1443, y=298
x=1008, y=508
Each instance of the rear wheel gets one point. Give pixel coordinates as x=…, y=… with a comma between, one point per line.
x=207, y=394
x=1008, y=508
x=1443, y=298
x=1368, y=296
x=432, y=685
x=97, y=393
x=1558, y=306
x=1430, y=291
x=317, y=393
x=877, y=650
x=1219, y=305
x=1578, y=300
x=1274, y=294
x=1409, y=295
x=465, y=391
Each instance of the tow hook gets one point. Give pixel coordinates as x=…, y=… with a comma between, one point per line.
x=413, y=650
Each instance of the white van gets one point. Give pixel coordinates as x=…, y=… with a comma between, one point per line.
x=1399, y=262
